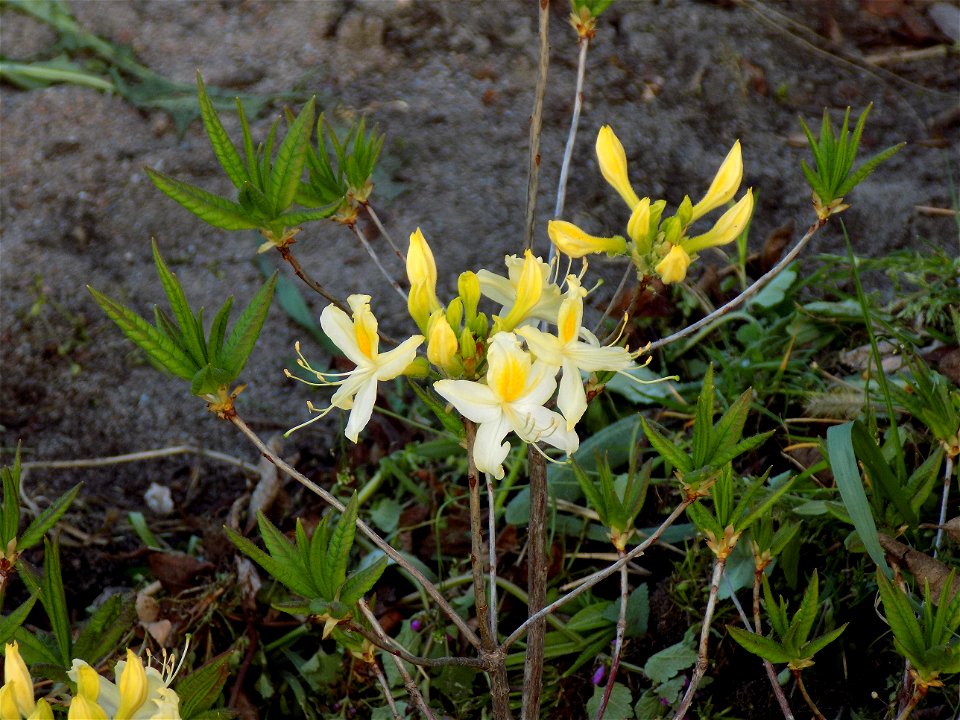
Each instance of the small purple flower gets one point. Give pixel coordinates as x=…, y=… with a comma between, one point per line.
x=416, y=625
x=598, y=675
x=664, y=702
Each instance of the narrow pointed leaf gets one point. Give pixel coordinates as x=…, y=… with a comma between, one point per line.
x=665, y=448
x=729, y=427
x=802, y=622
x=287, y=573
x=764, y=647
x=341, y=542
x=218, y=332
x=703, y=422
x=199, y=690
x=288, y=166
x=153, y=342
x=105, y=629
x=818, y=644
x=846, y=472
x=54, y=599
x=861, y=173
x=878, y=470
x=11, y=500
x=900, y=615
x=244, y=336
x=223, y=148
x=210, y=208
x=190, y=331
x=47, y=519
x=361, y=582
x=319, y=568
x=9, y=624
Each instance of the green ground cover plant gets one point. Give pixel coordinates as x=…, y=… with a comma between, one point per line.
x=774, y=500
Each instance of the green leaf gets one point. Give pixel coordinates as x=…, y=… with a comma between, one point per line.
x=103, y=632
x=46, y=519
x=764, y=647
x=9, y=624
x=304, y=216
x=817, y=644
x=218, y=331
x=210, y=208
x=190, y=329
x=11, y=502
x=877, y=469
x=209, y=379
x=54, y=599
x=619, y=705
x=861, y=173
x=843, y=462
x=902, y=621
x=284, y=566
x=802, y=622
x=667, y=449
x=361, y=582
x=729, y=428
x=451, y=421
x=590, y=491
x=245, y=333
x=199, y=690
x=288, y=167
x=341, y=542
x=703, y=422
x=158, y=347
x=223, y=148
x=663, y=665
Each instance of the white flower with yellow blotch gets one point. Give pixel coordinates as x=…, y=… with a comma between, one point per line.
x=357, y=339
x=512, y=399
x=574, y=349
x=527, y=291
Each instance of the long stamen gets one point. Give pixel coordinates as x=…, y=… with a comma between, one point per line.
x=312, y=408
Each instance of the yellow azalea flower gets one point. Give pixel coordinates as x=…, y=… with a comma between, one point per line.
x=422, y=274
x=726, y=229
x=574, y=242
x=613, y=165
x=358, y=340
x=673, y=268
x=505, y=290
x=140, y=693
x=724, y=185
x=511, y=400
x=442, y=343
x=573, y=355
x=43, y=711
x=17, y=677
x=83, y=709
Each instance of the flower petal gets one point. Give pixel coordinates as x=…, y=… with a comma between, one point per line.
x=338, y=326
x=473, y=400
x=489, y=450
x=572, y=398
x=393, y=362
x=544, y=346
x=362, y=409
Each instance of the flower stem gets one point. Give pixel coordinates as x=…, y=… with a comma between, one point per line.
x=947, y=473
x=376, y=260
x=767, y=665
x=618, y=643
x=806, y=697
x=536, y=122
x=537, y=566
x=701, y=667
x=383, y=231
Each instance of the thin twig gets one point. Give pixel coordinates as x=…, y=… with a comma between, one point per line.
x=701, y=667
x=947, y=473
x=536, y=122
x=492, y=558
x=385, y=686
x=288, y=255
x=389, y=645
x=584, y=43
x=806, y=696
x=618, y=643
x=139, y=456
x=494, y=659
x=408, y=681
x=376, y=260
x=383, y=231
x=757, y=286
x=537, y=566
x=591, y=580
x=388, y=549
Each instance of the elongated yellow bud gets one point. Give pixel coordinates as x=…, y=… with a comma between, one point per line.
x=638, y=227
x=8, y=701
x=726, y=229
x=133, y=687
x=613, y=165
x=442, y=343
x=420, y=304
x=83, y=709
x=468, y=285
x=724, y=185
x=43, y=711
x=529, y=290
x=422, y=274
x=17, y=677
x=673, y=268
x=574, y=242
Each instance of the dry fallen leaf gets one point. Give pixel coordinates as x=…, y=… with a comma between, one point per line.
x=923, y=567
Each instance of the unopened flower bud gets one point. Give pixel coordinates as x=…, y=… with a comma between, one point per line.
x=673, y=268
x=442, y=343
x=724, y=185
x=529, y=290
x=455, y=312
x=613, y=165
x=574, y=242
x=726, y=229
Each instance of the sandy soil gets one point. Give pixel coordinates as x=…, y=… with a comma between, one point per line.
x=451, y=85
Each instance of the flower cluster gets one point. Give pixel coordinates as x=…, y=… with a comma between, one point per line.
x=657, y=244
x=138, y=694
x=499, y=371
